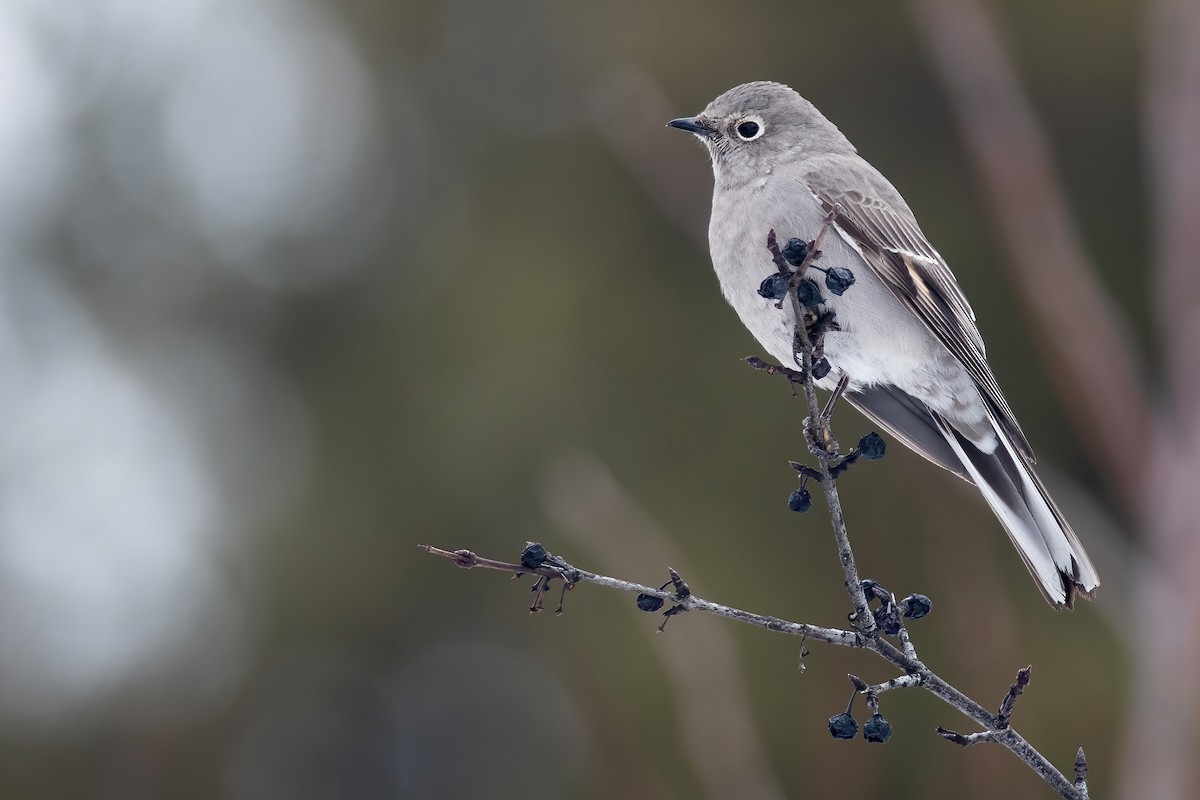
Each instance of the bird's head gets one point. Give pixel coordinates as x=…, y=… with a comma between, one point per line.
x=755, y=126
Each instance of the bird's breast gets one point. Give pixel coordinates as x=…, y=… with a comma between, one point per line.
x=880, y=341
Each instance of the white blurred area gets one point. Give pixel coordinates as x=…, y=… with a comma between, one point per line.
x=155, y=156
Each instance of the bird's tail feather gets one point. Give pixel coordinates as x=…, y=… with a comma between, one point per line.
x=1050, y=549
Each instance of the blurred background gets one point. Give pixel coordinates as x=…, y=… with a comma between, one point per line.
x=288, y=287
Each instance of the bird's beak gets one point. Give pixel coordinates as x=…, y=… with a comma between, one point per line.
x=694, y=125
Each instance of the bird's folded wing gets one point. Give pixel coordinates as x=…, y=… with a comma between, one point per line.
x=890, y=241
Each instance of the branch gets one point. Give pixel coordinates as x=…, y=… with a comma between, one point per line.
x=818, y=422
x=916, y=673
x=1014, y=691
x=811, y=322
x=689, y=602
x=1081, y=769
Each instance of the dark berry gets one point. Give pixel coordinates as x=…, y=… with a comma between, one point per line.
x=648, y=602
x=872, y=446
x=773, y=287
x=800, y=500
x=821, y=368
x=809, y=294
x=915, y=606
x=533, y=556
x=877, y=729
x=843, y=726
x=838, y=280
x=795, y=251
x=869, y=588
x=887, y=620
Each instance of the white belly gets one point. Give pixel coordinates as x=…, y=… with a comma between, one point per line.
x=880, y=342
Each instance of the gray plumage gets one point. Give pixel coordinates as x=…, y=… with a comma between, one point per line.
x=908, y=341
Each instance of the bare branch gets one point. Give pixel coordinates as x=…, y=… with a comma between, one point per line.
x=906, y=643
x=916, y=672
x=818, y=423
x=901, y=682
x=795, y=376
x=1014, y=691
x=467, y=559
x=1081, y=769
x=966, y=740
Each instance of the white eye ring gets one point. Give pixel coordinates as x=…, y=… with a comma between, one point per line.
x=749, y=128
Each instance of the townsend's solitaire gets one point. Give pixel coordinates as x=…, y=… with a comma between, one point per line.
x=908, y=342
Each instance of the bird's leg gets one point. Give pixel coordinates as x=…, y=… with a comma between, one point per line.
x=838, y=391
x=817, y=326
x=820, y=441
x=822, y=431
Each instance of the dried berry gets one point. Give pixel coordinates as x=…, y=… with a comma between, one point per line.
x=915, y=606
x=795, y=251
x=887, y=619
x=648, y=602
x=821, y=368
x=872, y=446
x=773, y=287
x=533, y=556
x=838, y=280
x=800, y=500
x=809, y=294
x=843, y=726
x=877, y=729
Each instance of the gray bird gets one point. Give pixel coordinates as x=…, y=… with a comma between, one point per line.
x=908, y=344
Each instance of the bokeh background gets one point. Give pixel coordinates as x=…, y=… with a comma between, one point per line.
x=288, y=287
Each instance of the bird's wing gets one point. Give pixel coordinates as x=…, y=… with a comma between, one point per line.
x=891, y=242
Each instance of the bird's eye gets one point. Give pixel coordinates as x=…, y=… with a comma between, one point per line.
x=748, y=130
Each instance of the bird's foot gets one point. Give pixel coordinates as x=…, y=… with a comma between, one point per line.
x=820, y=440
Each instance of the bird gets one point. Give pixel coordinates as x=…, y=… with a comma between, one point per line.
x=908, y=353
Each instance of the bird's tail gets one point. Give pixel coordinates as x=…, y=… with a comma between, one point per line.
x=1051, y=550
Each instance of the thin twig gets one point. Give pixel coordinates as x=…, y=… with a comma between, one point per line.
x=966, y=740
x=906, y=642
x=929, y=680
x=1014, y=691
x=795, y=376
x=468, y=560
x=1081, y=769
x=900, y=682
x=820, y=428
